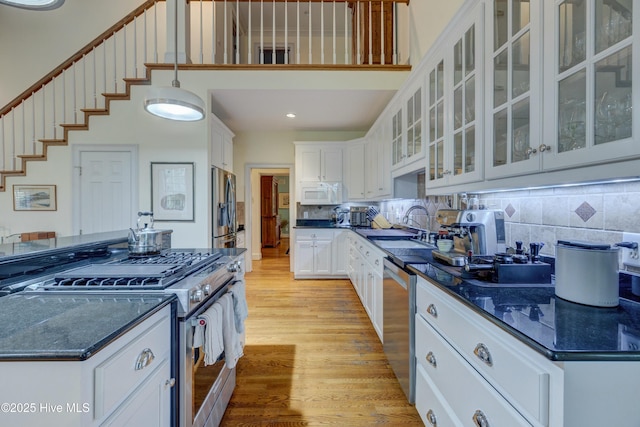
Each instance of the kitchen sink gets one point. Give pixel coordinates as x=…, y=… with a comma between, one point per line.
x=407, y=251
x=403, y=244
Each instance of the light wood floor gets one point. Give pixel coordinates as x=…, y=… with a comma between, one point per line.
x=312, y=357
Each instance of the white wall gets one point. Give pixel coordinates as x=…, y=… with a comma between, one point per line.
x=34, y=43
x=427, y=19
x=158, y=141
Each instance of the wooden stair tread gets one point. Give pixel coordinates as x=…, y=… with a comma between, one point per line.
x=72, y=126
x=32, y=156
x=75, y=126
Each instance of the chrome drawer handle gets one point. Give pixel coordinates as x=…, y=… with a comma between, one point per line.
x=377, y=262
x=431, y=417
x=170, y=383
x=431, y=358
x=432, y=310
x=144, y=359
x=482, y=352
x=480, y=419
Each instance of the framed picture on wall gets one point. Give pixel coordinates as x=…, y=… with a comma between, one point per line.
x=172, y=191
x=283, y=201
x=34, y=198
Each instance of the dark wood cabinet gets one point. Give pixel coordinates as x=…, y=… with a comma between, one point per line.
x=270, y=222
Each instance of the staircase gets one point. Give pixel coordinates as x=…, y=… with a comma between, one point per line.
x=127, y=53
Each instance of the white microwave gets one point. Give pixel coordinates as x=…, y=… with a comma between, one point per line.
x=320, y=193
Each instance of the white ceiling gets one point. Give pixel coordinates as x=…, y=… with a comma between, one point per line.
x=316, y=110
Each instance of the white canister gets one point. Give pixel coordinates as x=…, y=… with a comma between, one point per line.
x=587, y=273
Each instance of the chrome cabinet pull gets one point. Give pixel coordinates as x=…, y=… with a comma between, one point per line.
x=144, y=359
x=377, y=262
x=432, y=310
x=170, y=383
x=431, y=358
x=531, y=151
x=544, y=147
x=482, y=352
x=480, y=419
x=431, y=417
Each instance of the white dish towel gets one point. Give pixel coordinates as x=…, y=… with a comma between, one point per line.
x=211, y=336
x=239, y=305
x=232, y=344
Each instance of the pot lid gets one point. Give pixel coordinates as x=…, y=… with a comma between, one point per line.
x=584, y=245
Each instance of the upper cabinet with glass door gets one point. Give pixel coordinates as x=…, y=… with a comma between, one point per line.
x=407, y=142
x=455, y=91
x=589, y=112
x=514, y=92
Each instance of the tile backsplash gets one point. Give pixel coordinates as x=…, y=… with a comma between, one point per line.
x=597, y=213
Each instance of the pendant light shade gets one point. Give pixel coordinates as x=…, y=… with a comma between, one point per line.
x=34, y=4
x=174, y=103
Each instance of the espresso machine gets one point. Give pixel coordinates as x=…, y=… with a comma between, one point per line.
x=474, y=232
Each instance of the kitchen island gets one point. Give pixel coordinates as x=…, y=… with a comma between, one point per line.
x=84, y=359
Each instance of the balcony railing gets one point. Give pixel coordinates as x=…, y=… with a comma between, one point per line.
x=219, y=33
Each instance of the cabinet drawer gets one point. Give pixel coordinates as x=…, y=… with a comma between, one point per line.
x=120, y=374
x=467, y=392
x=430, y=403
x=313, y=233
x=516, y=376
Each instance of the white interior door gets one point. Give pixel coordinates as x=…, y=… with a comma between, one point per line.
x=106, y=188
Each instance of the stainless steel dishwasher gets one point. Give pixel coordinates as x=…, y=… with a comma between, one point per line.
x=399, y=308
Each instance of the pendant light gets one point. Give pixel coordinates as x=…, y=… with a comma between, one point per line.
x=34, y=4
x=172, y=102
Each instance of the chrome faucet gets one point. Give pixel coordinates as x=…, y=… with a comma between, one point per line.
x=406, y=218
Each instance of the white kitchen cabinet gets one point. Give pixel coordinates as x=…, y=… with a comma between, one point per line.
x=407, y=139
x=513, y=87
x=588, y=78
x=146, y=407
x=220, y=144
x=365, y=265
x=319, y=162
x=119, y=385
x=378, y=162
x=339, y=253
x=462, y=353
x=454, y=377
x=455, y=105
x=355, y=171
x=313, y=253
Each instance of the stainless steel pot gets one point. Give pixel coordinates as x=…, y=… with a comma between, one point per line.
x=147, y=240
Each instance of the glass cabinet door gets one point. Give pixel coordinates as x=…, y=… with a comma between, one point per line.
x=397, y=155
x=414, y=125
x=435, y=113
x=464, y=103
x=514, y=93
x=593, y=78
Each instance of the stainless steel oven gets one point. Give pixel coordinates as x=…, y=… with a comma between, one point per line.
x=399, y=310
x=205, y=390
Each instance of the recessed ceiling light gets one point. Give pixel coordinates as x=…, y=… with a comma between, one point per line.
x=291, y=115
x=34, y=4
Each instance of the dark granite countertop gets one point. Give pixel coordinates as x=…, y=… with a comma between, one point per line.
x=70, y=326
x=558, y=329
